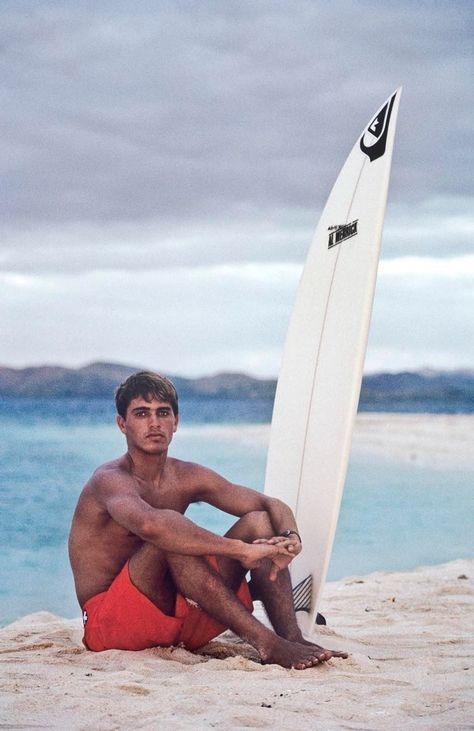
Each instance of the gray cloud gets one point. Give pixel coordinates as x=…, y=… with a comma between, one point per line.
x=164, y=165
x=190, y=122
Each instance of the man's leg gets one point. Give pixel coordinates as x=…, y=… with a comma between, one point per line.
x=151, y=571
x=201, y=583
x=276, y=596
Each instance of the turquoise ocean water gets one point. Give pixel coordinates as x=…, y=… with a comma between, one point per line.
x=394, y=515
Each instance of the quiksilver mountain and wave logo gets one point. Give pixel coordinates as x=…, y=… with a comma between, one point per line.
x=338, y=234
x=374, y=140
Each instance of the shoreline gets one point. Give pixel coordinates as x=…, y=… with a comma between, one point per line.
x=409, y=635
x=436, y=441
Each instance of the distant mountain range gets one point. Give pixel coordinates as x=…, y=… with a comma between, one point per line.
x=428, y=390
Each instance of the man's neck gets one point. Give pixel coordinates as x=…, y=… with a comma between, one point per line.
x=147, y=467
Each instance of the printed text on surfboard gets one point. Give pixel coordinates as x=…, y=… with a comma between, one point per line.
x=337, y=234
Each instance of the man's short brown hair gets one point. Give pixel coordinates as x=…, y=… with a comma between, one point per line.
x=147, y=385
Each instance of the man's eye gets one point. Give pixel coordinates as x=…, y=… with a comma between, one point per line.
x=163, y=412
x=140, y=413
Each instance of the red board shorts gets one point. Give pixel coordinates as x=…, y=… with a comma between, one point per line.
x=122, y=618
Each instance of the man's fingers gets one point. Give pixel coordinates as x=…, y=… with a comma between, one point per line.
x=274, y=571
x=279, y=541
x=271, y=541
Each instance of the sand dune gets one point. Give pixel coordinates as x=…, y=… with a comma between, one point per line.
x=409, y=635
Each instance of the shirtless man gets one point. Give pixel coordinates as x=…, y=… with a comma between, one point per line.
x=147, y=576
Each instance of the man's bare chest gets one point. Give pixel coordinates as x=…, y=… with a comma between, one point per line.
x=168, y=495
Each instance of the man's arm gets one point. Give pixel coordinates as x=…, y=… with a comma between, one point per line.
x=239, y=500
x=168, y=529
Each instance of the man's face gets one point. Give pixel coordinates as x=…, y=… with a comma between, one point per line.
x=149, y=425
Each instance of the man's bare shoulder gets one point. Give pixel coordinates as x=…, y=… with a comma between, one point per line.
x=114, y=474
x=195, y=476
x=120, y=465
x=187, y=469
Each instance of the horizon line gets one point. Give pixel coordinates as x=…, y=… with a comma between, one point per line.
x=420, y=370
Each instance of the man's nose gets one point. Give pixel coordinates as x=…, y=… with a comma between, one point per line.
x=154, y=418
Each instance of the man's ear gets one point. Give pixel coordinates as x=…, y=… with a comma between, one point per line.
x=121, y=423
x=176, y=422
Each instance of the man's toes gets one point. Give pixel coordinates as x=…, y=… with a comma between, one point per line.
x=301, y=665
x=339, y=653
x=308, y=661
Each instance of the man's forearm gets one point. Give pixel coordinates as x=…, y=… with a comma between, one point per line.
x=281, y=516
x=175, y=533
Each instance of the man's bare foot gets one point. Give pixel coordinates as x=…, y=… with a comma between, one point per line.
x=297, y=655
x=322, y=652
x=325, y=654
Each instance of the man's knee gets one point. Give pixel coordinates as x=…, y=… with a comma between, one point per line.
x=260, y=521
x=251, y=526
x=148, y=560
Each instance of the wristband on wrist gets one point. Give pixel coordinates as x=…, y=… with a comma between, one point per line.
x=288, y=533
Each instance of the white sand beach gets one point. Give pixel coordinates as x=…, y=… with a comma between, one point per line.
x=411, y=666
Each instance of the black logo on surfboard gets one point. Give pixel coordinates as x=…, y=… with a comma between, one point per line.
x=338, y=234
x=374, y=140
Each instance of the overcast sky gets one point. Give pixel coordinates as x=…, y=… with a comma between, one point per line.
x=164, y=165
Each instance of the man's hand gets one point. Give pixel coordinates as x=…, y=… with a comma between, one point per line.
x=281, y=560
x=276, y=550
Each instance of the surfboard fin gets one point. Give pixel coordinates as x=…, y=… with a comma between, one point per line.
x=302, y=598
x=302, y=595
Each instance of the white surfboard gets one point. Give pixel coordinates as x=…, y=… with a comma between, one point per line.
x=320, y=378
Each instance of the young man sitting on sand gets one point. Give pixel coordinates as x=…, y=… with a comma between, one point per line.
x=147, y=576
